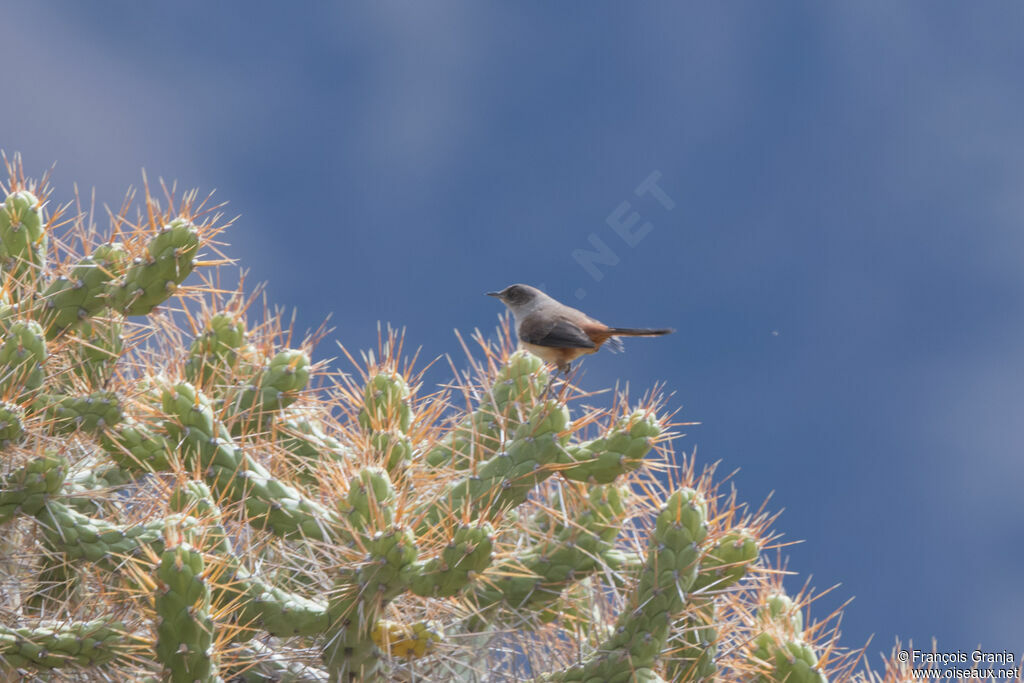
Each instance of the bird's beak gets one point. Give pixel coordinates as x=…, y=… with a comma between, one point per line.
x=493, y=293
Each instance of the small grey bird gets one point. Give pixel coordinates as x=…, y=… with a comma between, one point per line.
x=557, y=333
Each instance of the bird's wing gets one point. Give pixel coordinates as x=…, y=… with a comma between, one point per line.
x=557, y=333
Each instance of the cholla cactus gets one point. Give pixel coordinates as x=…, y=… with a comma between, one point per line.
x=186, y=496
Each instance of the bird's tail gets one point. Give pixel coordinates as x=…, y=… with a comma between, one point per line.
x=637, y=332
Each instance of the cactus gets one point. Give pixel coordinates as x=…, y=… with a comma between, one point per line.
x=23, y=235
x=27, y=489
x=187, y=495
x=155, y=275
x=22, y=355
x=566, y=551
x=74, y=299
x=605, y=459
x=517, y=384
x=640, y=632
x=724, y=564
x=306, y=448
x=273, y=387
x=387, y=417
x=215, y=354
x=100, y=343
x=12, y=426
x=62, y=646
x=91, y=413
x=780, y=648
x=184, y=627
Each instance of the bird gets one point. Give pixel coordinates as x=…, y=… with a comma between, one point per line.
x=558, y=333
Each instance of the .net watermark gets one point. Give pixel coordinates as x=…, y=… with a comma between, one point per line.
x=978, y=665
x=628, y=224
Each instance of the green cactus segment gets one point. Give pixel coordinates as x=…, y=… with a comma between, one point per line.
x=307, y=445
x=101, y=477
x=12, y=426
x=362, y=592
x=643, y=626
x=780, y=652
x=7, y=310
x=58, y=581
x=469, y=553
x=194, y=498
x=151, y=279
x=22, y=355
x=392, y=448
x=387, y=416
x=257, y=603
x=135, y=446
x=370, y=501
x=89, y=487
x=208, y=448
x=100, y=345
x=359, y=600
x=779, y=609
x=82, y=537
x=276, y=386
x=26, y=490
x=184, y=627
x=23, y=237
x=622, y=450
x=505, y=480
x=110, y=260
x=669, y=573
x=517, y=386
x=386, y=404
x=792, y=661
x=727, y=562
x=217, y=352
x=536, y=576
x=93, y=414
x=79, y=644
x=253, y=602
x=625, y=672
x=85, y=292
x=694, y=644
x=605, y=511
x=789, y=660
x=478, y=434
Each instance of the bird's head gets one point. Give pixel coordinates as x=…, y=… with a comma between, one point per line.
x=518, y=297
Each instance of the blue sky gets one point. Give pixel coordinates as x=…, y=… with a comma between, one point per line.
x=843, y=260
